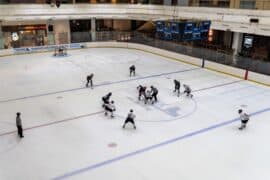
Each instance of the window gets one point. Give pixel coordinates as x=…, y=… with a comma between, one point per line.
x=247, y=4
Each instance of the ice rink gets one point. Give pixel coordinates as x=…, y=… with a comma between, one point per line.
x=67, y=135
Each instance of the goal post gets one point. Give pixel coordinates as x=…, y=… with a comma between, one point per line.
x=60, y=51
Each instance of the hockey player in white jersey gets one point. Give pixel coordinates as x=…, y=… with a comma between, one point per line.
x=244, y=119
x=109, y=108
x=148, y=95
x=130, y=118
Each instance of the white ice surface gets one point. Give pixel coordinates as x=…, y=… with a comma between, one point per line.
x=67, y=135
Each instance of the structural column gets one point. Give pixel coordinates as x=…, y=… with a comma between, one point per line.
x=167, y=2
x=93, y=29
x=50, y=33
x=1, y=37
x=237, y=44
x=182, y=2
x=234, y=3
x=62, y=31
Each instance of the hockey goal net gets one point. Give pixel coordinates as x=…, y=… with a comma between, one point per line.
x=60, y=51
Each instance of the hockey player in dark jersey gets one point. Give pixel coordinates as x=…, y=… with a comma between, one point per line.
x=154, y=92
x=132, y=70
x=109, y=108
x=141, y=89
x=177, y=87
x=130, y=118
x=106, y=99
x=89, y=79
x=187, y=90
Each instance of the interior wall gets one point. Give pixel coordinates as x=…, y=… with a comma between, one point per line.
x=122, y=25
x=62, y=31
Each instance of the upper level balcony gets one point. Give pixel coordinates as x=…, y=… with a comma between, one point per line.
x=237, y=20
x=238, y=4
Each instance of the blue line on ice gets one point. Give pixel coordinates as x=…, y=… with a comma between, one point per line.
x=140, y=151
x=103, y=84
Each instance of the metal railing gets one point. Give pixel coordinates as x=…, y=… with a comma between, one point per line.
x=222, y=57
x=242, y=4
x=219, y=56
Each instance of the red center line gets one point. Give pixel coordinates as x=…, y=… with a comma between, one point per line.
x=99, y=112
x=55, y=122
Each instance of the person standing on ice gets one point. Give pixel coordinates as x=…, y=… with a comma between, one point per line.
x=244, y=119
x=187, y=90
x=19, y=124
x=89, y=79
x=130, y=118
x=148, y=95
x=132, y=70
x=177, y=87
x=106, y=99
x=141, y=89
x=154, y=92
x=109, y=108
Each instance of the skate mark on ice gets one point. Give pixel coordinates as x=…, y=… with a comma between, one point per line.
x=172, y=110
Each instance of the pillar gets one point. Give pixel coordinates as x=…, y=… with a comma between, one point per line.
x=1, y=37
x=215, y=3
x=194, y=3
x=50, y=33
x=93, y=29
x=167, y=2
x=227, y=39
x=182, y=2
x=234, y=4
x=62, y=31
x=237, y=44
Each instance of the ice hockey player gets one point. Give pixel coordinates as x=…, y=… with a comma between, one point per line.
x=130, y=118
x=187, y=90
x=19, y=125
x=89, y=79
x=177, y=87
x=132, y=70
x=141, y=89
x=148, y=95
x=106, y=99
x=154, y=92
x=244, y=119
x=109, y=108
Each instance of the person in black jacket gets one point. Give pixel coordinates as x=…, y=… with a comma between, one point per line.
x=141, y=89
x=132, y=70
x=154, y=91
x=187, y=91
x=89, y=79
x=177, y=87
x=19, y=125
x=106, y=99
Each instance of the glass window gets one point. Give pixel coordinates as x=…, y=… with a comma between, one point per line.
x=247, y=4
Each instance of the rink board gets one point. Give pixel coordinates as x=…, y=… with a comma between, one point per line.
x=68, y=136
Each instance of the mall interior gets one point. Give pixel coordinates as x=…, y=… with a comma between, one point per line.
x=239, y=34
